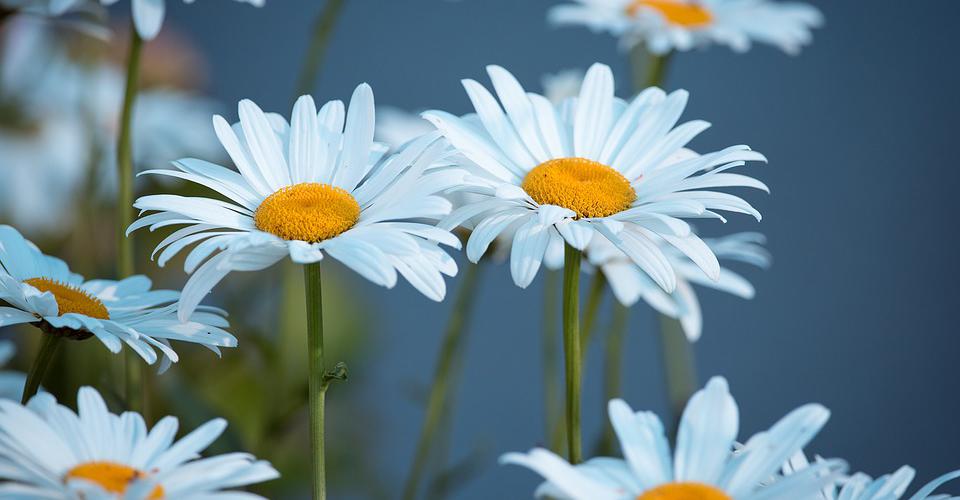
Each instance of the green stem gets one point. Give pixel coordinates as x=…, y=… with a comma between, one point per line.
x=648, y=70
x=48, y=348
x=133, y=369
x=551, y=365
x=322, y=30
x=571, y=346
x=612, y=369
x=679, y=367
x=317, y=384
x=594, y=298
x=437, y=404
x=125, y=212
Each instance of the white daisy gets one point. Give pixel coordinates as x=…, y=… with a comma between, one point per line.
x=594, y=165
x=562, y=85
x=47, y=451
x=41, y=290
x=148, y=14
x=667, y=25
x=396, y=127
x=315, y=187
x=11, y=382
x=47, y=8
x=703, y=466
x=861, y=486
x=630, y=284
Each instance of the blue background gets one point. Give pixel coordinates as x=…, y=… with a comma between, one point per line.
x=858, y=310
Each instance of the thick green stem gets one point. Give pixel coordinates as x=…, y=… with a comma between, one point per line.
x=443, y=378
x=612, y=369
x=553, y=405
x=322, y=30
x=679, y=367
x=648, y=70
x=571, y=347
x=317, y=384
x=48, y=348
x=594, y=298
x=133, y=368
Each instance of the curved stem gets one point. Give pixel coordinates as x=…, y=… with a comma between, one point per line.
x=48, y=347
x=553, y=407
x=322, y=30
x=612, y=369
x=438, y=402
x=316, y=383
x=571, y=346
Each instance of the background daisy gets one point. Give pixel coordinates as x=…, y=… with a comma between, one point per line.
x=667, y=25
x=48, y=451
x=148, y=14
x=42, y=290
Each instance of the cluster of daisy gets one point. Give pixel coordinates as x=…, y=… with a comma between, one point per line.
x=575, y=175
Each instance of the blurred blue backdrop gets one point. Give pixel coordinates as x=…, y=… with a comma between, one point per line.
x=857, y=312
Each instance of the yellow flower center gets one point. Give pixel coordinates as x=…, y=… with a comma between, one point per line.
x=309, y=212
x=112, y=477
x=71, y=299
x=589, y=188
x=676, y=12
x=684, y=491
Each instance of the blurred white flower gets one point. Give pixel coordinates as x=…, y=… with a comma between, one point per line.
x=562, y=85
x=630, y=284
x=49, y=451
x=48, y=8
x=667, y=25
x=861, y=486
x=396, y=127
x=703, y=465
x=58, y=125
x=148, y=14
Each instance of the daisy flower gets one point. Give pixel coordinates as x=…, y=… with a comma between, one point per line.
x=47, y=8
x=703, y=465
x=148, y=14
x=11, y=382
x=667, y=25
x=860, y=486
x=396, y=127
x=630, y=284
x=42, y=291
x=594, y=166
x=314, y=187
x=48, y=451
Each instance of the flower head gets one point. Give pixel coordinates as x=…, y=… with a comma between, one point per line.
x=703, y=466
x=42, y=291
x=148, y=14
x=317, y=186
x=630, y=284
x=667, y=25
x=48, y=451
x=860, y=486
x=594, y=166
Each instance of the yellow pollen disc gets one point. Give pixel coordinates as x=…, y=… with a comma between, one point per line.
x=589, y=188
x=676, y=12
x=71, y=299
x=684, y=491
x=112, y=477
x=310, y=212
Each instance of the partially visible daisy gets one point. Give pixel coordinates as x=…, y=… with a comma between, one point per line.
x=630, y=284
x=562, y=85
x=48, y=451
x=41, y=290
x=316, y=187
x=667, y=25
x=11, y=382
x=703, y=465
x=396, y=127
x=594, y=166
x=861, y=486
x=148, y=14
x=48, y=8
